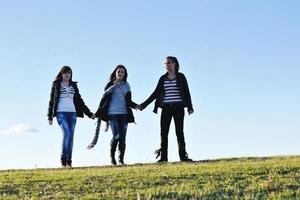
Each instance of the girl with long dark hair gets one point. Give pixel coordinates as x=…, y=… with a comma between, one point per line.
x=115, y=108
x=66, y=105
x=172, y=95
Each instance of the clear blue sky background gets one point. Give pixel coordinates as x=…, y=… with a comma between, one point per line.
x=241, y=59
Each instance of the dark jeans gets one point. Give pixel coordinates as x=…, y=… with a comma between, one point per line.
x=177, y=112
x=118, y=124
x=67, y=123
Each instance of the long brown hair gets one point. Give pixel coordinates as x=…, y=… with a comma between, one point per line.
x=113, y=74
x=64, y=69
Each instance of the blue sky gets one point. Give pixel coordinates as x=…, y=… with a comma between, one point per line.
x=241, y=59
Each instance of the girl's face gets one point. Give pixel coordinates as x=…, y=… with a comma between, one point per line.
x=170, y=66
x=120, y=73
x=66, y=76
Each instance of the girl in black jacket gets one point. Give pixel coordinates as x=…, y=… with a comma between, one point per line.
x=172, y=95
x=115, y=108
x=66, y=105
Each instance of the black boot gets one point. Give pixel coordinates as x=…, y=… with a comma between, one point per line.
x=63, y=162
x=186, y=158
x=163, y=151
x=122, y=147
x=69, y=163
x=113, y=147
x=163, y=154
x=183, y=155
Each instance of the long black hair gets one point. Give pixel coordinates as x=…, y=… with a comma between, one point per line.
x=113, y=74
x=174, y=60
x=64, y=69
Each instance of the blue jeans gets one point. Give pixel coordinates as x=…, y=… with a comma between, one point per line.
x=67, y=122
x=118, y=124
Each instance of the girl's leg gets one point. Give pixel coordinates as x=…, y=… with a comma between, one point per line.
x=72, y=118
x=114, y=141
x=178, y=113
x=165, y=120
x=114, y=125
x=123, y=124
x=62, y=122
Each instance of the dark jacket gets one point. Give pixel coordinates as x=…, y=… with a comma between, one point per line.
x=159, y=93
x=102, y=111
x=78, y=101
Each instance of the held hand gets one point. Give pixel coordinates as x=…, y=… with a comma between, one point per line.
x=90, y=146
x=136, y=107
x=190, y=112
x=50, y=122
x=140, y=107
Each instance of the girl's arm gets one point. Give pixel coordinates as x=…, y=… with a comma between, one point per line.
x=130, y=103
x=188, y=96
x=86, y=110
x=153, y=95
x=51, y=102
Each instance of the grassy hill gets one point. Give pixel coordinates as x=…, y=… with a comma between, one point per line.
x=237, y=178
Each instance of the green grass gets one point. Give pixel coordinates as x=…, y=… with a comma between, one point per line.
x=240, y=178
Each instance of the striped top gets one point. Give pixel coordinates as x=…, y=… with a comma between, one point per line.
x=172, y=92
x=66, y=103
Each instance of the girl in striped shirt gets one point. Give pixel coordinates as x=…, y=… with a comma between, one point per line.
x=172, y=95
